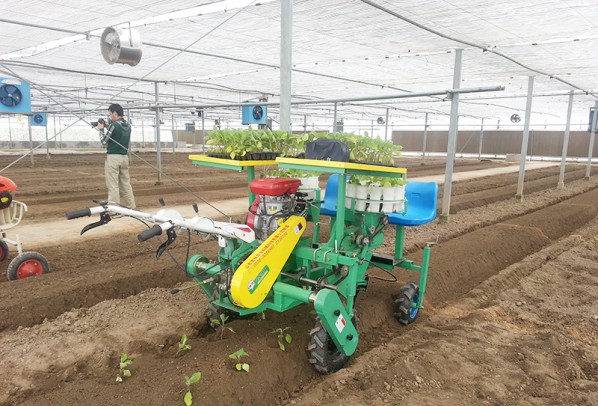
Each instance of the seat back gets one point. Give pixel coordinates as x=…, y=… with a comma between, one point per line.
x=422, y=198
x=330, y=196
x=12, y=215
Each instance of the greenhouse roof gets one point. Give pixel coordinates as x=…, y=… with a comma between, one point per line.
x=222, y=52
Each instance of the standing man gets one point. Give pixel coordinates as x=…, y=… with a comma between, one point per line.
x=116, y=169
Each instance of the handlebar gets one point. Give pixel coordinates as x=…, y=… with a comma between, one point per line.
x=149, y=233
x=168, y=218
x=78, y=213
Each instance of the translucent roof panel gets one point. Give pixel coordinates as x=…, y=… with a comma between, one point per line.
x=223, y=52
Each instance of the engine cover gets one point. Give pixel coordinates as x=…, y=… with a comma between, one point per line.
x=274, y=186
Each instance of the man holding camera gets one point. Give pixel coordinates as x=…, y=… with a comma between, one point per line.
x=117, y=140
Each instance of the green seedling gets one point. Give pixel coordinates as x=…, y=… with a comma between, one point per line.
x=190, y=380
x=183, y=346
x=221, y=323
x=282, y=337
x=240, y=366
x=125, y=361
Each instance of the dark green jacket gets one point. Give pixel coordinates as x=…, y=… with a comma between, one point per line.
x=117, y=138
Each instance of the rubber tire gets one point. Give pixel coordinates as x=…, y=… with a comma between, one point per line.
x=402, y=304
x=3, y=250
x=31, y=259
x=5, y=200
x=323, y=353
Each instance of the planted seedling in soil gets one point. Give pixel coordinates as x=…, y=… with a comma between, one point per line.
x=183, y=346
x=221, y=325
x=282, y=337
x=240, y=366
x=124, y=372
x=190, y=380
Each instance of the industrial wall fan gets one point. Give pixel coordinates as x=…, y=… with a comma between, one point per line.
x=121, y=46
x=38, y=119
x=254, y=115
x=14, y=96
x=515, y=118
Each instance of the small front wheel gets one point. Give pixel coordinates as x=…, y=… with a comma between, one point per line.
x=27, y=264
x=404, y=310
x=3, y=250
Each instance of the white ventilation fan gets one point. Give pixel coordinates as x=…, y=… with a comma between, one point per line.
x=515, y=118
x=121, y=46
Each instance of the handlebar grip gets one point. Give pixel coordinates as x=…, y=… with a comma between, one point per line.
x=149, y=233
x=78, y=213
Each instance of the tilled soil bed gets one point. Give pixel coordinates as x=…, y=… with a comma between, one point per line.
x=510, y=316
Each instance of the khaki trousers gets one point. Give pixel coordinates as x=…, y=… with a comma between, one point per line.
x=118, y=181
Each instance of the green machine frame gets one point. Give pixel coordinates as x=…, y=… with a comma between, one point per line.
x=328, y=274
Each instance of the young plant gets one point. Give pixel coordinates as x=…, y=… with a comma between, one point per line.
x=183, y=346
x=282, y=337
x=240, y=366
x=220, y=324
x=190, y=380
x=125, y=361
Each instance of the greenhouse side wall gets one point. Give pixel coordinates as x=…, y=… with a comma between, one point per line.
x=496, y=142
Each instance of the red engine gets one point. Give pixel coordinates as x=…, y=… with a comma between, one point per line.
x=6, y=186
x=275, y=200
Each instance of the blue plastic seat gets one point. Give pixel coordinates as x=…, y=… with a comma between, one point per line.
x=421, y=202
x=330, y=196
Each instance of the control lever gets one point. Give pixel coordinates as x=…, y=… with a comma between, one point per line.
x=104, y=219
x=171, y=236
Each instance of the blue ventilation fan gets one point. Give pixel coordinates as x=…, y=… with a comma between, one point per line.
x=38, y=119
x=254, y=115
x=15, y=96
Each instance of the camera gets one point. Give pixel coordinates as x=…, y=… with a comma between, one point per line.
x=94, y=124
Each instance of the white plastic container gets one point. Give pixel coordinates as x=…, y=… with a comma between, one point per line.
x=375, y=197
x=388, y=197
x=399, y=195
x=309, y=186
x=350, y=194
x=361, y=194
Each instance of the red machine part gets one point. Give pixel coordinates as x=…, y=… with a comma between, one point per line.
x=252, y=210
x=7, y=185
x=274, y=186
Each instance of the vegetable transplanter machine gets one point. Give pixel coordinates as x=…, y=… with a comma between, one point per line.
x=276, y=259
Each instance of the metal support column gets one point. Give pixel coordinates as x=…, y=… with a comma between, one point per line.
x=30, y=141
x=142, y=134
x=561, y=183
x=47, y=146
x=334, y=129
x=481, y=140
x=452, y=138
x=173, y=141
x=158, y=148
x=286, y=53
x=524, y=142
x=203, y=132
x=386, y=126
x=591, y=148
x=10, y=133
x=425, y=137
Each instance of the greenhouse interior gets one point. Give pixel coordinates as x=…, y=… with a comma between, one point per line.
x=298, y=202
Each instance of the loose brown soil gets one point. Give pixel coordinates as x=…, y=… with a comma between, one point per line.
x=510, y=316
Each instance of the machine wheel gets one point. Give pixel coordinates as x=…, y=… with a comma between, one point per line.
x=5, y=200
x=214, y=312
x=26, y=265
x=403, y=311
x=3, y=250
x=323, y=353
